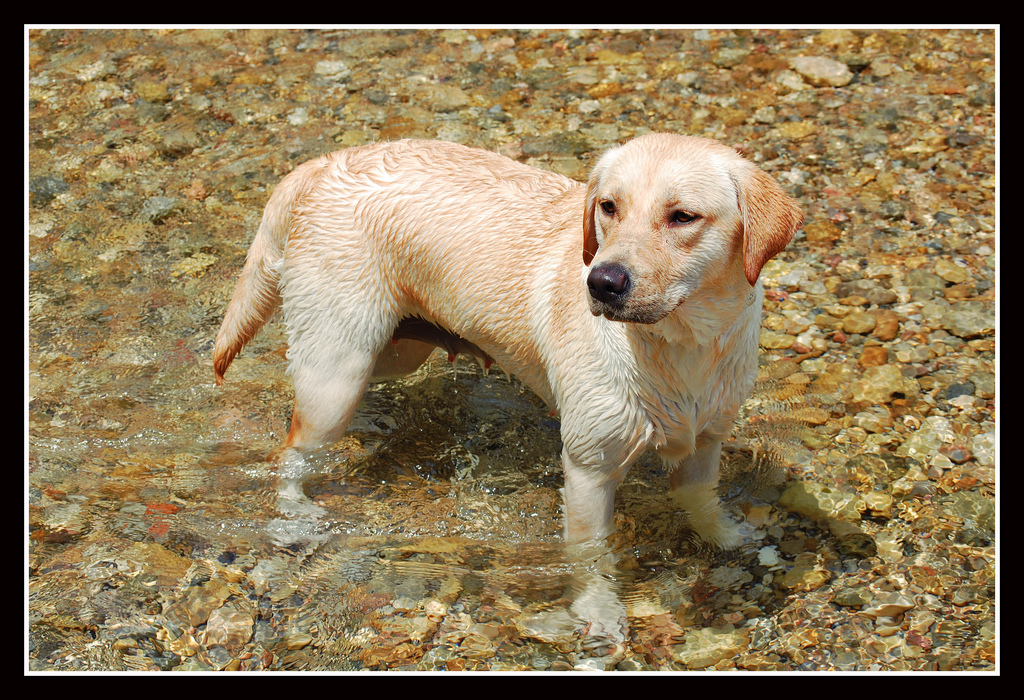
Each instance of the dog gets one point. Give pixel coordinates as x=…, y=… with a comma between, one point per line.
x=631, y=304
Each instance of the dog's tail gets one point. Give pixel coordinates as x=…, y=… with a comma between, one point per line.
x=257, y=294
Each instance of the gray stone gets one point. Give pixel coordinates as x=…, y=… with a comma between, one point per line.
x=822, y=72
x=156, y=209
x=970, y=319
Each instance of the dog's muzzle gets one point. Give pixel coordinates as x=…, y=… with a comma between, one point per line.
x=614, y=296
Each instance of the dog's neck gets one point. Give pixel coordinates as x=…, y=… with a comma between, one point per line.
x=684, y=352
x=707, y=315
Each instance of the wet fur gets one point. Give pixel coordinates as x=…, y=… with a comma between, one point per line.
x=380, y=253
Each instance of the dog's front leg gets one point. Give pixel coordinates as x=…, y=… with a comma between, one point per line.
x=589, y=500
x=589, y=505
x=694, y=486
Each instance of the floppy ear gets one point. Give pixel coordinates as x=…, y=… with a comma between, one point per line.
x=604, y=163
x=770, y=218
x=589, y=225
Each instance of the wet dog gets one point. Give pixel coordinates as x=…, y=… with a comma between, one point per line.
x=631, y=304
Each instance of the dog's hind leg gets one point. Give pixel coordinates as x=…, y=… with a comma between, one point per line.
x=327, y=392
x=337, y=322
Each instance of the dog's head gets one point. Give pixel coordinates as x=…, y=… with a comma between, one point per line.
x=669, y=216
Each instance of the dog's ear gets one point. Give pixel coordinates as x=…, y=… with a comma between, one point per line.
x=589, y=225
x=770, y=218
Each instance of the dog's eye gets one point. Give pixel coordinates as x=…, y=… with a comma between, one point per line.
x=608, y=207
x=683, y=217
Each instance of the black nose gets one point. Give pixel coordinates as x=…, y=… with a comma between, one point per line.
x=608, y=283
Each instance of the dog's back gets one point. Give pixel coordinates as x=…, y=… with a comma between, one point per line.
x=421, y=215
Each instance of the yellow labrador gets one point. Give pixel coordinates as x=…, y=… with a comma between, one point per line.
x=631, y=305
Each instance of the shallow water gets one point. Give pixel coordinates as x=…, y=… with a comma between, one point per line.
x=428, y=538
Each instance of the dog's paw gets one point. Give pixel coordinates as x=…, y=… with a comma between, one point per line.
x=291, y=470
x=709, y=519
x=724, y=532
x=292, y=503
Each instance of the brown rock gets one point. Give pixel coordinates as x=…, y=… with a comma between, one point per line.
x=820, y=71
x=950, y=271
x=822, y=232
x=961, y=291
x=776, y=341
x=152, y=91
x=229, y=627
x=165, y=566
x=878, y=385
x=860, y=322
x=887, y=324
x=874, y=356
x=854, y=300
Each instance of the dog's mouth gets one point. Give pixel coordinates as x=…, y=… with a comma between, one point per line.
x=632, y=315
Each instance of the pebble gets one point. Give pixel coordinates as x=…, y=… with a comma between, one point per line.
x=156, y=209
x=768, y=556
x=554, y=627
x=970, y=319
x=880, y=384
x=706, y=647
x=804, y=575
x=776, y=341
x=442, y=98
x=820, y=71
x=229, y=627
x=43, y=190
x=859, y=322
x=193, y=266
x=852, y=597
x=870, y=290
x=152, y=91
x=888, y=605
x=336, y=70
x=983, y=447
x=158, y=563
x=219, y=657
x=874, y=419
x=297, y=639
x=591, y=664
x=887, y=325
x=204, y=599
x=950, y=271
